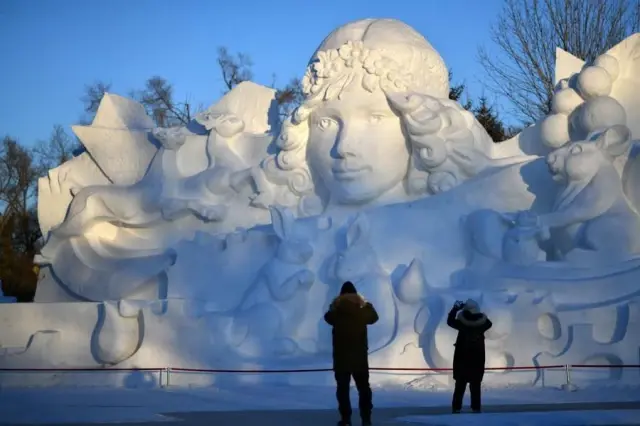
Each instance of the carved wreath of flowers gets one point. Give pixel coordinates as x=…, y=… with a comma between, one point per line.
x=334, y=69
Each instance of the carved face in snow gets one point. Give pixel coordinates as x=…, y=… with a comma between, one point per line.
x=357, y=147
x=580, y=161
x=345, y=143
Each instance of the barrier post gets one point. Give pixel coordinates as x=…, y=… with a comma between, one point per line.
x=168, y=374
x=569, y=386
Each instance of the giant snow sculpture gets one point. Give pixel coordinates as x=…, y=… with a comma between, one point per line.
x=221, y=243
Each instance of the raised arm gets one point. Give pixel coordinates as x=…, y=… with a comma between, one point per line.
x=330, y=316
x=452, y=321
x=370, y=314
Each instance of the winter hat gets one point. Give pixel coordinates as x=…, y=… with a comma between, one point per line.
x=471, y=306
x=348, y=288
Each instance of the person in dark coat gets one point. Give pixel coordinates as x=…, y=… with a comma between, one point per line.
x=469, y=354
x=350, y=314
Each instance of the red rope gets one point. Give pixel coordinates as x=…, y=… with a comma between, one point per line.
x=314, y=370
x=605, y=366
x=200, y=370
x=302, y=370
x=81, y=369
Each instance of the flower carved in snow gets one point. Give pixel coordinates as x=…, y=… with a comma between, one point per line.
x=353, y=53
x=336, y=67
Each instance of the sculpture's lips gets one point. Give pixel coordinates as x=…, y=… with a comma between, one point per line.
x=348, y=173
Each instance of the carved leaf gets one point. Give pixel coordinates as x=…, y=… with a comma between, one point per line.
x=412, y=287
x=358, y=231
x=282, y=221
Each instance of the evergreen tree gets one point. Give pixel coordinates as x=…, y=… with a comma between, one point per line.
x=456, y=91
x=490, y=120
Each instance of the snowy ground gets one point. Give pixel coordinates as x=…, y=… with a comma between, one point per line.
x=267, y=405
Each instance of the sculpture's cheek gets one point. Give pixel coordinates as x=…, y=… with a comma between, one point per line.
x=580, y=168
x=319, y=155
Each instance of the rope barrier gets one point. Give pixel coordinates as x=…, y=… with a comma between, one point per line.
x=201, y=370
x=166, y=371
x=309, y=370
x=81, y=369
x=604, y=366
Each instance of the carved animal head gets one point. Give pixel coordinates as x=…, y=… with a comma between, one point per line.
x=580, y=161
x=226, y=125
x=293, y=248
x=358, y=259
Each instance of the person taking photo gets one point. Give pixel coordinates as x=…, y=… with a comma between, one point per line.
x=350, y=314
x=469, y=354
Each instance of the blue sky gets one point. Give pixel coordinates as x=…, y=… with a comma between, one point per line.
x=51, y=48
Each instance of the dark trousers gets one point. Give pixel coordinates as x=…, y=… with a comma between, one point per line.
x=343, y=383
x=458, y=395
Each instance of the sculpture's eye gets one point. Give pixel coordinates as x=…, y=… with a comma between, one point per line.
x=326, y=123
x=575, y=150
x=376, y=118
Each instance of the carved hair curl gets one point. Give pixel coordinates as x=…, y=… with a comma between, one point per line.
x=447, y=144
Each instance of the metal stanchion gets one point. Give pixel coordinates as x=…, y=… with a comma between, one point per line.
x=568, y=386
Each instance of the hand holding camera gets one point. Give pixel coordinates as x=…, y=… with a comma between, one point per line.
x=459, y=304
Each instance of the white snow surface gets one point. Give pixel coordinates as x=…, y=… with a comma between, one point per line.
x=118, y=405
x=564, y=418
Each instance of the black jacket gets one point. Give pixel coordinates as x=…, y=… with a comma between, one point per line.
x=469, y=354
x=349, y=316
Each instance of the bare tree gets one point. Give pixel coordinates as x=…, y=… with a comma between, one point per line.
x=19, y=229
x=234, y=70
x=60, y=147
x=158, y=99
x=20, y=168
x=93, y=96
x=527, y=33
x=17, y=180
x=289, y=97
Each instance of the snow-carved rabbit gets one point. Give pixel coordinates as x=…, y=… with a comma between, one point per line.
x=282, y=283
x=591, y=214
x=359, y=264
